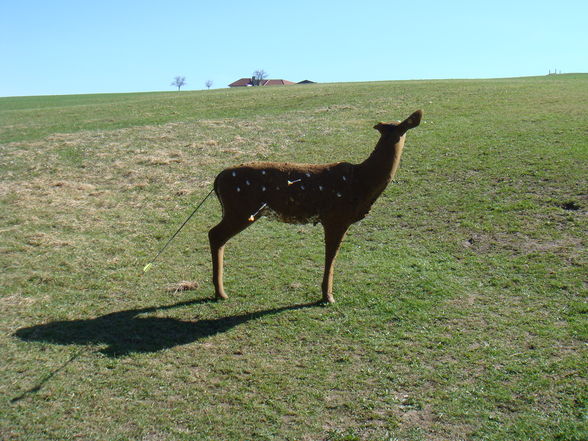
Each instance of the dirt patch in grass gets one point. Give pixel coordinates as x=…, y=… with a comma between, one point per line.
x=17, y=300
x=46, y=240
x=520, y=243
x=182, y=286
x=570, y=205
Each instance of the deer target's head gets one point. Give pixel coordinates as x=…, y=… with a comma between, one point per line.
x=399, y=129
x=393, y=135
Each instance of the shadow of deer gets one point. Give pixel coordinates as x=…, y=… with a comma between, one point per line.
x=336, y=195
x=135, y=331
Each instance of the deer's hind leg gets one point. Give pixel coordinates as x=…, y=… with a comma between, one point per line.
x=218, y=237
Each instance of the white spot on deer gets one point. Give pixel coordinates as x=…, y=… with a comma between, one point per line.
x=247, y=182
x=321, y=188
x=263, y=188
x=238, y=189
x=263, y=172
x=234, y=173
x=308, y=175
x=302, y=187
x=344, y=178
x=339, y=195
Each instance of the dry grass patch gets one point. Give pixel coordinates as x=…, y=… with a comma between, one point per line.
x=184, y=285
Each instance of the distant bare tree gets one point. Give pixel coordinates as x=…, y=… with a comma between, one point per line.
x=258, y=77
x=208, y=84
x=179, y=82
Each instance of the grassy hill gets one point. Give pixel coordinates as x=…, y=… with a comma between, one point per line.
x=461, y=299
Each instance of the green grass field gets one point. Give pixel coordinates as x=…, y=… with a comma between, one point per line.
x=461, y=299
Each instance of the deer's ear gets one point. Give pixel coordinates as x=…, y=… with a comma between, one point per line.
x=379, y=127
x=413, y=120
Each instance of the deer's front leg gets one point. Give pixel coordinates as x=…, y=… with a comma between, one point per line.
x=217, y=271
x=333, y=236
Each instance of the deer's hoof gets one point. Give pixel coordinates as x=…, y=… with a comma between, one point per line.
x=328, y=299
x=221, y=296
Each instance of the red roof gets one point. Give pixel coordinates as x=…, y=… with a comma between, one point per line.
x=277, y=83
x=244, y=82
x=241, y=83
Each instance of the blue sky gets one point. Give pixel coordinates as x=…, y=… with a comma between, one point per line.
x=67, y=47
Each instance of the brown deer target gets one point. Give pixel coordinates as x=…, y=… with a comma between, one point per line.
x=336, y=195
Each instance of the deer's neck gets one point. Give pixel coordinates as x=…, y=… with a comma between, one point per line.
x=381, y=166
